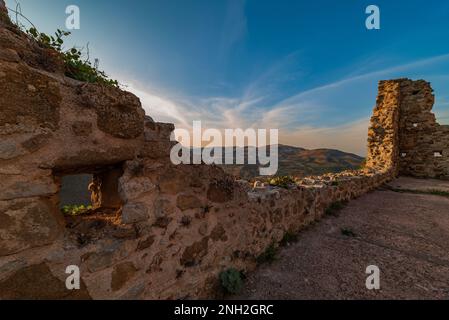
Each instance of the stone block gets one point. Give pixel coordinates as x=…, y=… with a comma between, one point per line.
x=131, y=189
x=186, y=202
x=28, y=223
x=37, y=282
x=14, y=187
x=134, y=212
x=121, y=274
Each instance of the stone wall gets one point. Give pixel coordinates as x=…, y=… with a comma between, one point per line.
x=413, y=143
x=383, y=134
x=165, y=231
x=424, y=144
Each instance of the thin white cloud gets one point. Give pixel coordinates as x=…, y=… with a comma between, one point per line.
x=161, y=108
x=235, y=27
x=375, y=74
x=275, y=75
x=293, y=115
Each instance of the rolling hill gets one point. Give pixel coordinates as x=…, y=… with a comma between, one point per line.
x=301, y=162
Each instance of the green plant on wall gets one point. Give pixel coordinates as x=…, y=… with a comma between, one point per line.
x=335, y=207
x=231, y=281
x=75, y=66
x=75, y=210
x=348, y=232
x=269, y=255
x=288, y=238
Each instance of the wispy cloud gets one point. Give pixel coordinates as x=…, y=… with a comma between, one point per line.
x=161, y=108
x=266, y=83
x=234, y=27
x=315, y=118
x=379, y=74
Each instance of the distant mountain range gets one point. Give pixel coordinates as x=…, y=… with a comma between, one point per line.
x=299, y=162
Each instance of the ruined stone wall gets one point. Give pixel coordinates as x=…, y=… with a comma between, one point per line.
x=172, y=229
x=383, y=134
x=424, y=144
x=412, y=142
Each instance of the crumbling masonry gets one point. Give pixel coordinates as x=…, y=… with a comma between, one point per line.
x=159, y=231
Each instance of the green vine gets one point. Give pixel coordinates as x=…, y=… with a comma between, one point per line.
x=75, y=66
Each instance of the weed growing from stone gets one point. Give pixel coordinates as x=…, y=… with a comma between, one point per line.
x=335, y=208
x=269, y=255
x=348, y=232
x=75, y=66
x=75, y=210
x=289, y=237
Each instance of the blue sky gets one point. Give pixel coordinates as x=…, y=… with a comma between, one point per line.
x=309, y=68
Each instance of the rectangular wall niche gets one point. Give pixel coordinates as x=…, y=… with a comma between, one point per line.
x=90, y=190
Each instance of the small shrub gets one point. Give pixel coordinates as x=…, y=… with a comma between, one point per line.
x=232, y=281
x=289, y=237
x=268, y=256
x=335, y=207
x=348, y=232
x=75, y=210
x=282, y=182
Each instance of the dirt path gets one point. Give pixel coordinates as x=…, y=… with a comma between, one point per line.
x=405, y=234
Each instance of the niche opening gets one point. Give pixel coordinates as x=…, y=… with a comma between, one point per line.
x=91, y=203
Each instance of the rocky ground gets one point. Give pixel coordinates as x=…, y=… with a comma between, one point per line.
x=403, y=232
